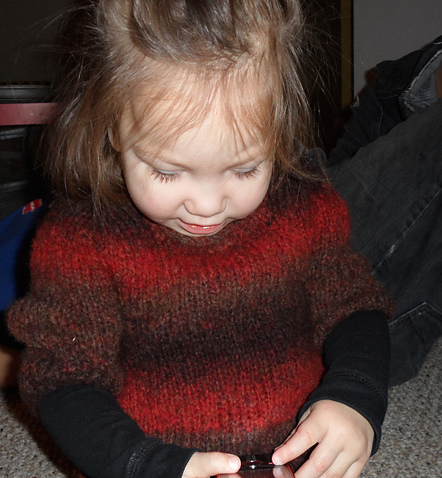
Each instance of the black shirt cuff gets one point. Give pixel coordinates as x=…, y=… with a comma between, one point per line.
x=94, y=432
x=357, y=360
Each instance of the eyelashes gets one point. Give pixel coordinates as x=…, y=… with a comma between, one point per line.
x=247, y=174
x=164, y=177
x=167, y=177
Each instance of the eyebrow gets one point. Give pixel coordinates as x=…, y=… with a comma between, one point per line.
x=156, y=155
x=153, y=155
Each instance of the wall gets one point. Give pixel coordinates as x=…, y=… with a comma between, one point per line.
x=383, y=29
x=27, y=34
x=388, y=29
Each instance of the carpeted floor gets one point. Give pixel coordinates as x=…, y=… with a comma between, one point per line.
x=411, y=446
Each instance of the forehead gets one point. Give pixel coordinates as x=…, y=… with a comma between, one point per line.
x=237, y=106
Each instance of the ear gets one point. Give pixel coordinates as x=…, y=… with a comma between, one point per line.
x=114, y=138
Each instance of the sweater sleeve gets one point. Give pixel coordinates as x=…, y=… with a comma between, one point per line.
x=357, y=359
x=340, y=281
x=94, y=432
x=70, y=320
x=349, y=309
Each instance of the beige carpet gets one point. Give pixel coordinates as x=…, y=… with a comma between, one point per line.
x=411, y=446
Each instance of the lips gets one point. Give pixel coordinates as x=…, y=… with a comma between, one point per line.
x=200, y=230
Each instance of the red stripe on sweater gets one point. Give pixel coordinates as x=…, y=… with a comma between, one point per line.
x=225, y=401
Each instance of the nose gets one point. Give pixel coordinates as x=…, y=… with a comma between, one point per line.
x=207, y=200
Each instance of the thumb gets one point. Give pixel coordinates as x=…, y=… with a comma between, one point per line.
x=205, y=465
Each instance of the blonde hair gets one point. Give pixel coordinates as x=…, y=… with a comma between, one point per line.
x=126, y=45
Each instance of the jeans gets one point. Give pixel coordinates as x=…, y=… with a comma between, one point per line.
x=388, y=101
x=392, y=186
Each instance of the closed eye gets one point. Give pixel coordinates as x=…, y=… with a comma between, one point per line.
x=247, y=173
x=165, y=176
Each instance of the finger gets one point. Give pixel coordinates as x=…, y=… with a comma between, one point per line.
x=282, y=472
x=322, y=459
x=304, y=416
x=355, y=470
x=204, y=465
x=304, y=437
x=327, y=460
x=340, y=467
x=356, y=465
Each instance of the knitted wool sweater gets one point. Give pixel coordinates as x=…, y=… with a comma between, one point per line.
x=210, y=342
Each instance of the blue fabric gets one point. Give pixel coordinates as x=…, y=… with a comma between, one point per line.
x=16, y=231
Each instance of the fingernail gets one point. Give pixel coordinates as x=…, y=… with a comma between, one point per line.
x=277, y=461
x=278, y=472
x=233, y=463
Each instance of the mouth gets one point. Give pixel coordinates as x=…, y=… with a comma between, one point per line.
x=201, y=230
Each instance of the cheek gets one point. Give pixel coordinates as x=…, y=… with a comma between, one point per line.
x=139, y=187
x=152, y=198
x=249, y=198
x=252, y=194
x=136, y=179
x=157, y=202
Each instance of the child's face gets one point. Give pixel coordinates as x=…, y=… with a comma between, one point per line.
x=198, y=183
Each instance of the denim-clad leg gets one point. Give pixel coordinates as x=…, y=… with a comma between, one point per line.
x=393, y=189
x=401, y=87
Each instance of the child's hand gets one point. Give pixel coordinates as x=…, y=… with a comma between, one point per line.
x=344, y=437
x=205, y=465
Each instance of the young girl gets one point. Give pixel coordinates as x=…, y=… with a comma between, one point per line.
x=193, y=289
